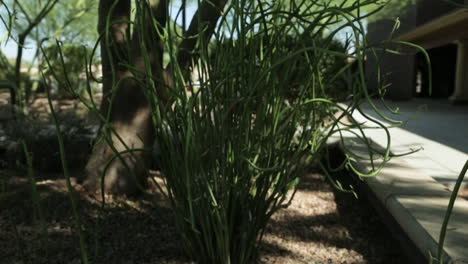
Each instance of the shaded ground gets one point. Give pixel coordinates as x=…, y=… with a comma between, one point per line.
x=36, y=128
x=324, y=225
x=321, y=226
x=68, y=110
x=122, y=231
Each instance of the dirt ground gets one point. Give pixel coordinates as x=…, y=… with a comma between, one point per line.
x=321, y=226
x=38, y=108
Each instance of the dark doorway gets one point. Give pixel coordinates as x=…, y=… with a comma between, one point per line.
x=443, y=65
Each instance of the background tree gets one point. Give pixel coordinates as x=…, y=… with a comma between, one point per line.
x=67, y=64
x=24, y=21
x=124, y=105
x=30, y=22
x=393, y=9
x=124, y=102
x=7, y=72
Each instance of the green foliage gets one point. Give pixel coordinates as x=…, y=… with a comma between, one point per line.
x=6, y=70
x=393, y=9
x=233, y=148
x=39, y=20
x=67, y=20
x=71, y=21
x=65, y=167
x=67, y=64
x=441, y=256
x=333, y=69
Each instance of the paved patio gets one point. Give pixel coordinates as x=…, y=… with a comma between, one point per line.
x=415, y=189
x=437, y=126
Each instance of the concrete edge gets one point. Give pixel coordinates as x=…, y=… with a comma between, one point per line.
x=422, y=238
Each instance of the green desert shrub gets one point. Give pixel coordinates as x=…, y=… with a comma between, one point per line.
x=65, y=65
x=233, y=147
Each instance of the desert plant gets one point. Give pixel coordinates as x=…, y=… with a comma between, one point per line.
x=441, y=256
x=233, y=149
x=73, y=66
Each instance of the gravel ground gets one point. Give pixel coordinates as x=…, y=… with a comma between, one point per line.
x=321, y=226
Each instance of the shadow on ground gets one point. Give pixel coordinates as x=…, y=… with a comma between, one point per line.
x=349, y=226
x=321, y=226
x=123, y=231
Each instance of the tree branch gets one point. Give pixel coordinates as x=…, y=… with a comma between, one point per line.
x=21, y=41
x=24, y=11
x=203, y=22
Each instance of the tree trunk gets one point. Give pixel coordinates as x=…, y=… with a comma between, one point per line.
x=15, y=91
x=127, y=111
x=126, y=106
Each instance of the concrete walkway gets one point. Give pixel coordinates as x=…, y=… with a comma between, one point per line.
x=415, y=189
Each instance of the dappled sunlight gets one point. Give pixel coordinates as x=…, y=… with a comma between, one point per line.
x=325, y=225
x=126, y=230
x=416, y=188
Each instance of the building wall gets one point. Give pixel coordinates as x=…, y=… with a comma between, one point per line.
x=401, y=69
x=428, y=10
x=443, y=66
x=398, y=71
